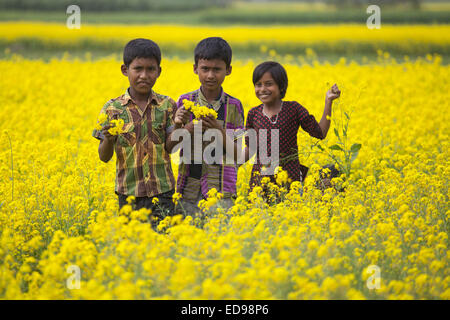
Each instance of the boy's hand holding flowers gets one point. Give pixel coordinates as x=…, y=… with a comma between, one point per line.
x=209, y=122
x=206, y=115
x=181, y=117
x=108, y=136
x=109, y=128
x=199, y=111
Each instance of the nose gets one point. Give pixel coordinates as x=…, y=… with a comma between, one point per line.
x=210, y=75
x=144, y=75
x=261, y=88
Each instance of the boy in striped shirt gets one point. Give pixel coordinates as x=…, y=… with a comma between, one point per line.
x=212, y=65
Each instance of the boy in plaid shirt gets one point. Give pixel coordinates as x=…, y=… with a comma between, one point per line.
x=143, y=166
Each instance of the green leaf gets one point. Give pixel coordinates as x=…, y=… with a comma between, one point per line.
x=355, y=147
x=346, y=115
x=354, y=155
x=336, y=147
x=336, y=132
x=318, y=146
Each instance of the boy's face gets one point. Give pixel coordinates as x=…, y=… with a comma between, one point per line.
x=211, y=73
x=142, y=74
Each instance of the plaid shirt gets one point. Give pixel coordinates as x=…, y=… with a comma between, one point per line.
x=143, y=166
x=196, y=178
x=291, y=117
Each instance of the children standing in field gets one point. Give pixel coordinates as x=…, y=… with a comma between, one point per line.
x=212, y=64
x=143, y=167
x=270, y=81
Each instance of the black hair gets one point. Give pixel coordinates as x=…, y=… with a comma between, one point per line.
x=278, y=74
x=213, y=48
x=141, y=48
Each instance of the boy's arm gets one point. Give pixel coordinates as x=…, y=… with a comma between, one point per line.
x=179, y=119
x=324, y=123
x=246, y=154
x=106, y=146
x=169, y=143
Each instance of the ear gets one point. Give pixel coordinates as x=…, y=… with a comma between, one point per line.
x=195, y=68
x=124, y=70
x=229, y=70
x=160, y=70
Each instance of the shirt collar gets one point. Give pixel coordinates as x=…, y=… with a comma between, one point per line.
x=215, y=104
x=126, y=97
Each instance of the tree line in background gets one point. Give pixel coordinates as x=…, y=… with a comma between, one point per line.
x=177, y=5
x=358, y=3
x=113, y=5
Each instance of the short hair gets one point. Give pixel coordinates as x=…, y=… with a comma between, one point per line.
x=141, y=48
x=213, y=48
x=277, y=72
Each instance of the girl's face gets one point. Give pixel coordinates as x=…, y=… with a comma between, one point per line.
x=267, y=90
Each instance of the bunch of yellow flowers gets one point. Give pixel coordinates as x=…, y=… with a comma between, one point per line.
x=176, y=197
x=211, y=200
x=281, y=176
x=116, y=124
x=199, y=111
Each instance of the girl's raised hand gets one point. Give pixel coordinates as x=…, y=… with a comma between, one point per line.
x=333, y=93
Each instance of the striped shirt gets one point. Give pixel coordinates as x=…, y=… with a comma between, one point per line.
x=143, y=166
x=196, y=178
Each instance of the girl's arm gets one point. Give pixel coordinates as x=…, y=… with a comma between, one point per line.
x=324, y=123
x=331, y=94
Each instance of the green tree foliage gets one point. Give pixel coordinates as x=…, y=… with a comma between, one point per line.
x=385, y=3
x=113, y=5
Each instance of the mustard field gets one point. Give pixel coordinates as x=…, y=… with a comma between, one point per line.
x=348, y=39
x=385, y=236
